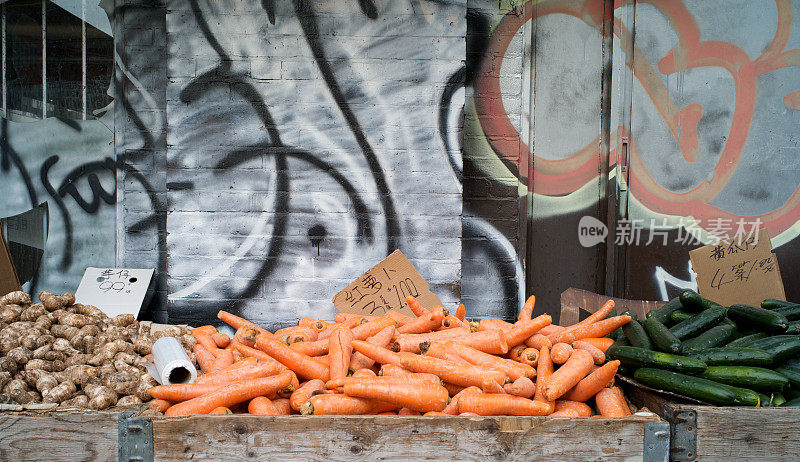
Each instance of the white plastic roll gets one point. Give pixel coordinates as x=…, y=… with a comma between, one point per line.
x=171, y=365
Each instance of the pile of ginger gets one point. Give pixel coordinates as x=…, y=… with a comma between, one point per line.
x=73, y=355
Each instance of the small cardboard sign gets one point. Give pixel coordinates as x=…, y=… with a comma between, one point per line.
x=739, y=270
x=385, y=287
x=114, y=290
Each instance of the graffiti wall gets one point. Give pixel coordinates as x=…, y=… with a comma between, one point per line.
x=303, y=147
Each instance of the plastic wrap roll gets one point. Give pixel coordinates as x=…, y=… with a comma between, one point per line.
x=171, y=365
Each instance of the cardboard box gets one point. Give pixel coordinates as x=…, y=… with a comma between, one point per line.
x=22, y=242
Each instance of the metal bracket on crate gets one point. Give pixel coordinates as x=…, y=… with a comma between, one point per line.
x=656, y=442
x=135, y=438
x=683, y=433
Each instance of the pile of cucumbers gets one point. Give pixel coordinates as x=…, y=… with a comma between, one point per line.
x=738, y=355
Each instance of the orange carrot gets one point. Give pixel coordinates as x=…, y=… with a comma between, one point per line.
x=523, y=330
x=514, y=353
x=597, y=329
x=602, y=343
x=302, y=394
x=568, y=412
x=544, y=370
x=411, y=342
x=415, y=307
x=551, y=329
x=293, y=385
x=246, y=335
x=316, y=348
x=340, y=348
x=364, y=373
x=560, y=353
x=448, y=371
x=427, y=322
x=204, y=357
x=494, y=324
x=529, y=356
x=582, y=409
x=411, y=378
x=568, y=375
x=204, y=330
x=611, y=403
x=523, y=387
x=496, y=404
x=392, y=370
x=234, y=393
x=453, y=389
x=490, y=386
x=439, y=350
x=343, y=405
x=452, y=322
x=261, y=405
x=435, y=414
x=221, y=410
x=342, y=317
x=241, y=373
x=461, y=312
x=399, y=317
x=283, y=407
x=208, y=343
x=159, y=405
x=407, y=411
x=526, y=312
x=593, y=382
x=220, y=339
x=316, y=324
x=294, y=334
x=224, y=359
x=468, y=414
x=452, y=406
x=382, y=339
x=598, y=315
x=304, y=366
x=258, y=354
x=376, y=353
x=417, y=396
x=368, y=329
x=597, y=354
x=476, y=357
x=538, y=340
x=182, y=391
x=236, y=322
x=489, y=341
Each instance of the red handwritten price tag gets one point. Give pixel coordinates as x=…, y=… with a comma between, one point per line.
x=385, y=287
x=740, y=270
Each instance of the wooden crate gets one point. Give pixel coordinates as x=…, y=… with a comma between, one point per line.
x=74, y=435
x=701, y=432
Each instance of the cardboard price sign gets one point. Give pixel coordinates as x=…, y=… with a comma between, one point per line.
x=385, y=287
x=114, y=290
x=739, y=270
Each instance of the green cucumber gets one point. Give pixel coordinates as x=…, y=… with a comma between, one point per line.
x=756, y=378
x=778, y=399
x=746, y=397
x=744, y=342
x=718, y=335
x=791, y=373
x=699, y=323
x=792, y=312
x=771, y=400
x=692, y=301
x=622, y=341
x=793, y=329
x=768, y=342
x=772, y=304
x=792, y=403
x=693, y=387
x=662, y=314
x=639, y=357
x=758, y=318
x=784, y=350
x=680, y=316
x=730, y=356
x=637, y=335
x=662, y=338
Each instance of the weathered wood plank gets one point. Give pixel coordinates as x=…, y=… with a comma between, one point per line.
x=324, y=438
x=59, y=436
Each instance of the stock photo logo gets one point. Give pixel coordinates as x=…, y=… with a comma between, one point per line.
x=591, y=231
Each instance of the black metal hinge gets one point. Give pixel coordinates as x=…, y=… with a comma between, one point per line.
x=135, y=438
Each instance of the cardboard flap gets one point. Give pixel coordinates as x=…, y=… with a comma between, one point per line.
x=573, y=301
x=26, y=237
x=8, y=276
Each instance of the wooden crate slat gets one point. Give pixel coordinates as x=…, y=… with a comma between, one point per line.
x=338, y=438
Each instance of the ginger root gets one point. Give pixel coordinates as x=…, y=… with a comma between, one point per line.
x=129, y=400
x=55, y=302
x=62, y=392
x=100, y=397
x=80, y=401
x=15, y=298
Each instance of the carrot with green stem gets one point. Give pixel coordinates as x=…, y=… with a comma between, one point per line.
x=450, y=372
x=261, y=405
x=523, y=387
x=415, y=307
x=544, y=369
x=376, y=353
x=231, y=394
x=476, y=357
x=382, y=339
x=340, y=349
x=523, y=330
x=452, y=406
x=304, y=366
x=411, y=342
x=611, y=403
x=526, y=312
x=427, y=322
x=568, y=375
x=497, y=404
x=488, y=341
x=417, y=396
x=594, y=330
x=343, y=405
x=593, y=383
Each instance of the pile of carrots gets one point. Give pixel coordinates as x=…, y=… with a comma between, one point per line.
x=433, y=364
